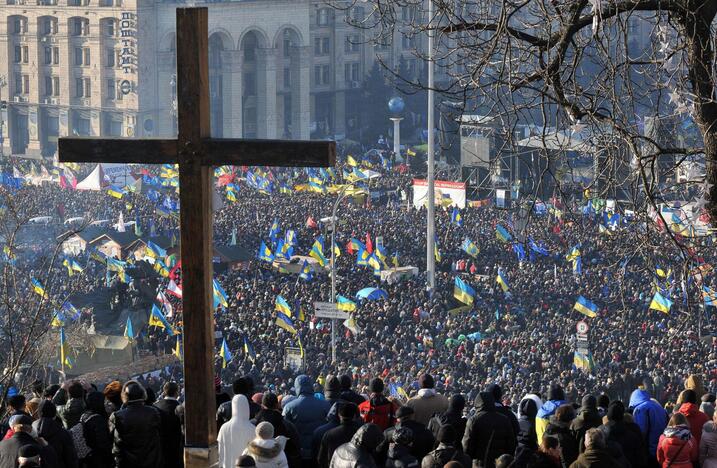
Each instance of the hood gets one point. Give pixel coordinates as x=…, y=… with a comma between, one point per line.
x=556, y=392
x=47, y=428
x=368, y=437
x=710, y=427
x=588, y=402
x=266, y=448
x=303, y=385
x=528, y=409
x=639, y=397
x=456, y=404
x=47, y=409
x=240, y=408
x=333, y=415
x=679, y=432
x=688, y=409
x=549, y=408
x=536, y=399
x=485, y=402
x=95, y=402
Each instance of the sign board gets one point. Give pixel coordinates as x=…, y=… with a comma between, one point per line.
x=293, y=359
x=329, y=310
x=582, y=327
x=446, y=193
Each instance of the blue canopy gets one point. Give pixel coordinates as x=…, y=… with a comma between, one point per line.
x=371, y=294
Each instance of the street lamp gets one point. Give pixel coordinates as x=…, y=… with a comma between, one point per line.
x=3, y=105
x=342, y=195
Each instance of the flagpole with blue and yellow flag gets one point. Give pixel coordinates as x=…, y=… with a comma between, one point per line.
x=225, y=354
x=586, y=307
x=463, y=291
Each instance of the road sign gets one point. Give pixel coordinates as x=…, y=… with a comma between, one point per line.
x=329, y=310
x=582, y=327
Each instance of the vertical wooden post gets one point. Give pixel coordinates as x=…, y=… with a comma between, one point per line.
x=196, y=234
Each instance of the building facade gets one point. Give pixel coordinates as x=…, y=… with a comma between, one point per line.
x=278, y=69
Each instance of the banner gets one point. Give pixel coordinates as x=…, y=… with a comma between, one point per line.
x=446, y=193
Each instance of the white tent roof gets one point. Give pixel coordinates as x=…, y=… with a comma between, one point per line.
x=558, y=141
x=93, y=181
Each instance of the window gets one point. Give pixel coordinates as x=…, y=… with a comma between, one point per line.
x=287, y=77
x=110, y=28
x=82, y=87
x=322, y=16
x=110, y=57
x=111, y=90
x=356, y=14
x=19, y=25
x=408, y=42
x=48, y=86
x=22, y=84
x=382, y=46
x=351, y=72
x=408, y=13
x=322, y=74
x=48, y=26
x=79, y=26
x=351, y=44
x=78, y=2
x=48, y=55
x=18, y=54
x=55, y=55
x=82, y=56
x=55, y=85
x=321, y=46
x=317, y=74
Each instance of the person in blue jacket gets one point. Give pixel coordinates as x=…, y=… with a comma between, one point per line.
x=650, y=416
x=307, y=413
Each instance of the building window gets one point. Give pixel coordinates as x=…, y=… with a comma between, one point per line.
x=322, y=74
x=52, y=86
x=19, y=25
x=83, y=87
x=322, y=46
x=110, y=57
x=110, y=28
x=408, y=13
x=78, y=2
x=48, y=55
x=351, y=72
x=408, y=42
x=82, y=56
x=111, y=90
x=287, y=77
x=79, y=26
x=352, y=43
x=323, y=16
x=48, y=26
x=22, y=84
x=55, y=55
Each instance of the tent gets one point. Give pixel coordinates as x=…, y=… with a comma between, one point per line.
x=94, y=181
x=371, y=294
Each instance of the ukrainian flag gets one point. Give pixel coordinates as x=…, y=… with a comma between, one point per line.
x=290, y=237
x=357, y=245
x=177, y=351
x=456, y=217
x=264, y=253
x=157, y=319
x=285, y=322
x=318, y=188
x=38, y=287
x=362, y=257
x=66, y=264
x=128, y=330
x=709, y=296
x=318, y=255
x=502, y=234
x=70, y=310
x=282, y=306
x=249, y=350
x=583, y=361
x=58, y=319
x=301, y=346
x=64, y=349
x=470, y=248
x=283, y=188
x=124, y=277
x=306, y=273
x=115, y=192
x=220, y=297
x=274, y=230
x=345, y=304
x=502, y=281
x=231, y=196
x=660, y=303
x=300, y=315
x=76, y=266
x=585, y=307
x=573, y=254
x=351, y=161
x=662, y=273
x=374, y=263
x=225, y=354
x=463, y=291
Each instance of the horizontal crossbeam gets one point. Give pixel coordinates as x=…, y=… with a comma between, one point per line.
x=214, y=151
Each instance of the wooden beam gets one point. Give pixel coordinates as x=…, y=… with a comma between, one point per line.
x=117, y=150
x=240, y=152
x=196, y=236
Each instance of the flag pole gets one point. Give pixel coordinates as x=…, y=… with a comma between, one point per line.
x=430, y=221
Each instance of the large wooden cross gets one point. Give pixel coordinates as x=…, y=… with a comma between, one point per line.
x=196, y=152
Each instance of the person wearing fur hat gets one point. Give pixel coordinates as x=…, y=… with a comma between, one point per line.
x=135, y=429
x=428, y=402
x=267, y=450
x=448, y=450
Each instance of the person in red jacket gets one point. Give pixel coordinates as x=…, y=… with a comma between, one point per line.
x=692, y=413
x=676, y=447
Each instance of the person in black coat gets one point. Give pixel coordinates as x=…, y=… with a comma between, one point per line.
x=10, y=448
x=448, y=450
x=588, y=418
x=135, y=429
x=171, y=429
x=626, y=435
x=453, y=417
x=559, y=427
x=399, y=455
x=52, y=431
x=333, y=438
x=241, y=386
x=497, y=393
x=97, y=434
x=423, y=441
x=347, y=393
x=527, y=438
x=489, y=434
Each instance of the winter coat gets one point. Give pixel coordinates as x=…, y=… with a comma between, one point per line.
x=568, y=442
x=489, y=434
x=268, y=453
x=423, y=441
x=235, y=434
x=448, y=418
x=543, y=460
x=628, y=437
x=352, y=396
x=695, y=418
x=358, y=452
x=542, y=419
x=69, y=411
x=588, y=418
x=400, y=457
x=527, y=444
x=224, y=411
x=56, y=437
x=649, y=416
x=135, y=429
x=597, y=458
x=10, y=448
x=332, y=421
x=306, y=412
x=677, y=447
x=426, y=404
x=444, y=454
x=171, y=433
x=292, y=449
x=708, y=446
x=334, y=438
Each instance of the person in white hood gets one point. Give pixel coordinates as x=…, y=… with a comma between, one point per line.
x=235, y=435
x=267, y=451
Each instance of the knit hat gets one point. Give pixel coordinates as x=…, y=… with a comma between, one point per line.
x=615, y=411
x=426, y=381
x=264, y=430
x=589, y=401
x=333, y=387
x=556, y=392
x=246, y=460
x=404, y=411
x=446, y=434
x=345, y=382
x=457, y=402
x=376, y=385
x=402, y=436
x=495, y=390
x=603, y=401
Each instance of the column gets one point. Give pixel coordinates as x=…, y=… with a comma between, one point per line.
x=4, y=90
x=266, y=92
x=164, y=126
x=33, y=129
x=340, y=112
x=300, y=93
x=232, y=91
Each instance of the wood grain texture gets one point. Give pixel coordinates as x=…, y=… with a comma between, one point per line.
x=288, y=153
x=117, y=150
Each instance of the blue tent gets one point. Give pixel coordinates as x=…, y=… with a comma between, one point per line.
x=371, y=294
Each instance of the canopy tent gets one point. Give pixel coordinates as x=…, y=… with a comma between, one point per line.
x=560, y=141
x=94, y=181
x=371, y=294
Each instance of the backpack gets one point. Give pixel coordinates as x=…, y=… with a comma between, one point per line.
x=79, y=440
x=382, y=415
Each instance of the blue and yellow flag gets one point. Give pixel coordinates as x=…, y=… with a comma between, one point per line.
x=456, y=217
x=345, y=304
x=220, y=296
x=469, y=247
x=282, y=306
x=351, y=161
x=502, y=234
x=660, y=303
x=38, y=287
x=264, y=253
x=58, y=319
x=66, y=264
x=285, y=322
x=306, y=272
x=502, y=281
x=64, y=350
x=249, y=350
x=274, y=230
x=225, y=353
x=357, y=245
x=583, y=361
x=362, y=257
x=157, y=319
x=585, y=307
x=463, y=291
x=155, y=251
x=177, y=351
x=709, y=296
x=317, y=254
x=128, y=330
x=290, y=237
x=70, y=311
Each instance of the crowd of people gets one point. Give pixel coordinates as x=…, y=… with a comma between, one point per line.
x=521, y=342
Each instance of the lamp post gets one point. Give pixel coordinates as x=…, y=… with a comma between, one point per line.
x=3, y=105
x=342, y=195
x=430, y=215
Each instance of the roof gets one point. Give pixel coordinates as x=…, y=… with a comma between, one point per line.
x=163, y=242
x=233, y=253
x=124, y=239
x=87, y=234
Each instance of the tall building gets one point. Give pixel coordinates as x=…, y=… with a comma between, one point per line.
x=277, y=69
